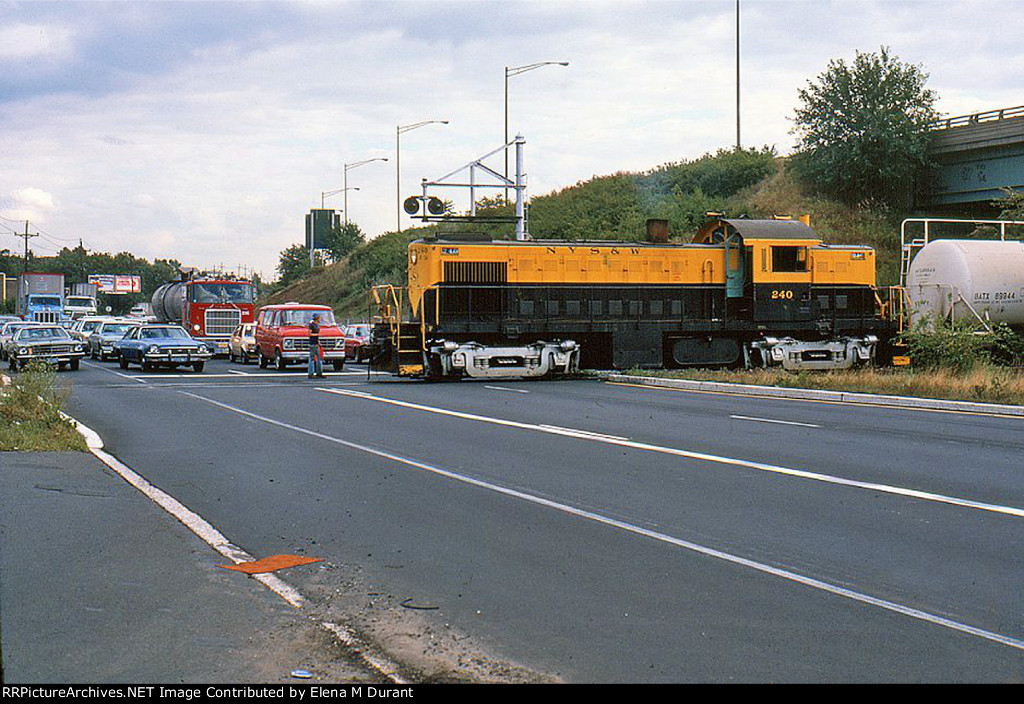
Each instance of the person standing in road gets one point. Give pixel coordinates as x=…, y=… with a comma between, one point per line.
x=316, y=355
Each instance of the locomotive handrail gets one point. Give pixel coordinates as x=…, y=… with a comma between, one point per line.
x=907, y=249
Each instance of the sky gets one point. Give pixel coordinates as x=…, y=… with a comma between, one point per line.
x=204, y=132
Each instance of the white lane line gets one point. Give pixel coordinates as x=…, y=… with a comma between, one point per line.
x=505, y=388
x=235, y=371
x=774, y=420
x=747, y=464
x=215, y=539
x=573, y=432
x=818, y=584
x=111, y=371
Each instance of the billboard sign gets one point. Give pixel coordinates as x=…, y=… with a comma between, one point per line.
x=116, y=284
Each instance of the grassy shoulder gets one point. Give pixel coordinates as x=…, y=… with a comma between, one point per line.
x=30, y=415
x=983, y=383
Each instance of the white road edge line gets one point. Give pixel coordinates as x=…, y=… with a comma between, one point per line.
x=775, y=420
x=505, y=388
x=215, y=539
x=637, y=530
x=760, y=466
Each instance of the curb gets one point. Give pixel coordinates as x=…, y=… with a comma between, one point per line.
x=925, y=404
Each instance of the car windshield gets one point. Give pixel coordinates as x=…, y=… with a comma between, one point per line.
x=222, y=293
x=90, y=325
x=116, y=328
x=359, y=331
x=45, y=300
x=11, y=328
x=305, y=317
x=38, y=333
x=80, y=301
x=157, y=333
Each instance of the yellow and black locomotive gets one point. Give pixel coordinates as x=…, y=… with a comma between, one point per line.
x=743, y=292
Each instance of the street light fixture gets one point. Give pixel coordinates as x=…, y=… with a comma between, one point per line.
x=328, y=194
x=515, y=71
x=349, y=167
x=399, y=131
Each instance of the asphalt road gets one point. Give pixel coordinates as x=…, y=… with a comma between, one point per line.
x=608, y=533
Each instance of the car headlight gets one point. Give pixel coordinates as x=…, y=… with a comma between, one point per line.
x=196, y=327
x=153, y=349
x=78, y=348
x=289, y=344
x=23, y=350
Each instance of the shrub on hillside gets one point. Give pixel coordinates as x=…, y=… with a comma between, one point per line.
x=960, y=348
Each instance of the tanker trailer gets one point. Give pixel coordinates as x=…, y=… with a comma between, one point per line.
x=967, y=281
x=168, y=301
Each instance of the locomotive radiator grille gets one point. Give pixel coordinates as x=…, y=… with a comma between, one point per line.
x=475, y=272
x=222, y=321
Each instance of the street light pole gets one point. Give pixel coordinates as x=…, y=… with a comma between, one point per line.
x=737, y=75
x=399, y=131
x=328, y=194
x=349, y=167
x=515, y=71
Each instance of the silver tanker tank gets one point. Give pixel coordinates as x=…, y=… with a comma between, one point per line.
x=965, y=280
x=168, y=301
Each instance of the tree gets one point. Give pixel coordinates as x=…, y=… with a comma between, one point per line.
x=293, y=264
x=343, y=239
x=863, y=129
x=1012, y=208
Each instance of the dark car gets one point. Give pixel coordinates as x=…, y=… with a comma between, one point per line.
x=51, y=344
x=105, y=335
x=152, y=346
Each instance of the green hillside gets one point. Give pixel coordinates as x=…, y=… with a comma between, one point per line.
x=754, y=183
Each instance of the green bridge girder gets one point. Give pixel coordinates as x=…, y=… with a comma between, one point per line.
x=977, y=156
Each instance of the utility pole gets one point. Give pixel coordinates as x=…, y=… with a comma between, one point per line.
x=27, y=236
x=738, y=75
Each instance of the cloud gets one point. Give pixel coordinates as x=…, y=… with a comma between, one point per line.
x=204, y=131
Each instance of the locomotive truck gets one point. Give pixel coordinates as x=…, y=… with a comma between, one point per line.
x=209, y=307
x=741, y=293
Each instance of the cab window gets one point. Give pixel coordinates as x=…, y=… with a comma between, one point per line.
x=789, y=259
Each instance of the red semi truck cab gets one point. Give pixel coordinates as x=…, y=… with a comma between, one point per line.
x=209, y=308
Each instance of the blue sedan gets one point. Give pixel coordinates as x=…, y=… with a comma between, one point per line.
x=152, y=346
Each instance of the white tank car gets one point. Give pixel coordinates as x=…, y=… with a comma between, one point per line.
x=952, y=278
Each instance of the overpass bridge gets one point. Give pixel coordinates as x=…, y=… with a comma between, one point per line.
x=976, y=157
